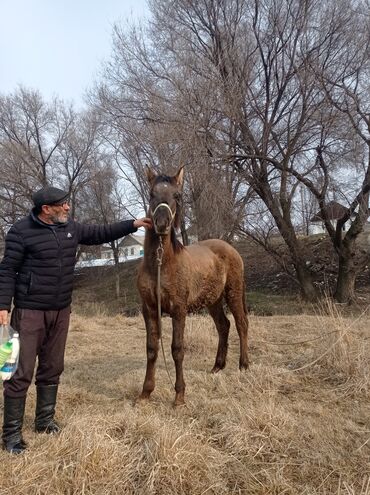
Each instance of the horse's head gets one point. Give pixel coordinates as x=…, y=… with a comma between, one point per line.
x=164, y=204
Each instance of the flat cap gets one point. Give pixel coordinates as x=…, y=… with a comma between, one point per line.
x=49, y=195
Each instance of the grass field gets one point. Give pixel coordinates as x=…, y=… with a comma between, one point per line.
x=298, y=422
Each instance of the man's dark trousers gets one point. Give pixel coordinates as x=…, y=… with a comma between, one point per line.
x=42, y=334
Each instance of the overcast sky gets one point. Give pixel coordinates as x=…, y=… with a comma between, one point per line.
x=57, y=46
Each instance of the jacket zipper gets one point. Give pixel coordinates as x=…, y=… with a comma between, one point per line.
x=30, y=284
x=60, y=262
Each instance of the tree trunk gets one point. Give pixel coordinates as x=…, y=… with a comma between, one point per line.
x=118, y=288
x=286, y=229
x=308, y=290
x=345, y=289
x=116, y=269
x=349, y=261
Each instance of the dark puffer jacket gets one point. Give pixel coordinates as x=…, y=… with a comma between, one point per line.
x=38, y=264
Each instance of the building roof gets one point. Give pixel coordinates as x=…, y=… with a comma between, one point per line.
x=334, y=211
x=132, y=240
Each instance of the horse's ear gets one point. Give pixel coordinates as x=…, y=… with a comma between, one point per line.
x=179, y=177
x=150, y=174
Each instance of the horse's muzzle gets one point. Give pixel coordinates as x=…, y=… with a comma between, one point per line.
x=162, y=221
x=162, y=228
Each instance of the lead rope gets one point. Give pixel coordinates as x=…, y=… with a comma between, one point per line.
x=159, y=309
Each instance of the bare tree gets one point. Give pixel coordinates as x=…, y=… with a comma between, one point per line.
x=136, y=101
x=345, y=75
x=44, y=143
x=342, y=69
x=272, y=96
x=102, y=202
x=78, y=153
x=235, y=90
x=265, y=93
x=31, y=131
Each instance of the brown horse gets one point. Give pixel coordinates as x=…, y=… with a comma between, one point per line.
x=192, y=277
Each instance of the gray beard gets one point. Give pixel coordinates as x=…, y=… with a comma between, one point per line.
x=57, y=221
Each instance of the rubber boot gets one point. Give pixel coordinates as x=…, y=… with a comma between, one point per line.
x=13, y=421
x=45, y=409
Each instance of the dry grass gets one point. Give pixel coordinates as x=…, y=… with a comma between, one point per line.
x=298, y=422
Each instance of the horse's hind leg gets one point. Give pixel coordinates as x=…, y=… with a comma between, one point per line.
x=222, y=325
x=177, y=347
x=152, y=344
x=235, y=301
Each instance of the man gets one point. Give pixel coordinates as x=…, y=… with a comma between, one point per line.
x=37, y=271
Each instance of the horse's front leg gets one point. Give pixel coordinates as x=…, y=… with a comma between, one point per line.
x=178, y=325
x=152, y=339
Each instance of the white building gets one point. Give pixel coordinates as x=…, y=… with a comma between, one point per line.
x=130, y=248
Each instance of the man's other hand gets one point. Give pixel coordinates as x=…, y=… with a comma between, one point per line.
x=3, y=316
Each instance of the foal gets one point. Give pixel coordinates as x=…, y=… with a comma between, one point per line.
x=192, y=277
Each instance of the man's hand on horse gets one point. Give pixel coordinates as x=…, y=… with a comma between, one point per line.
x=143, y=222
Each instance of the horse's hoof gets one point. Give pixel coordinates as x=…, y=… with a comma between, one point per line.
x=179, y=399
x=244, y=366
x=216, y=369
x=141, y=400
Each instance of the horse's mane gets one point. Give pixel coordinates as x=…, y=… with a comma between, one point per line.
x=176, y=244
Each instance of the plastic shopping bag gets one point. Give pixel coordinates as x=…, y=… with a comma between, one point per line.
x=9, y=351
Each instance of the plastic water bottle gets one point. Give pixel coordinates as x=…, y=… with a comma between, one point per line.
x=5, y=352
x=8, y=369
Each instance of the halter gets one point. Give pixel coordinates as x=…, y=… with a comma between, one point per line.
x=165, y=205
